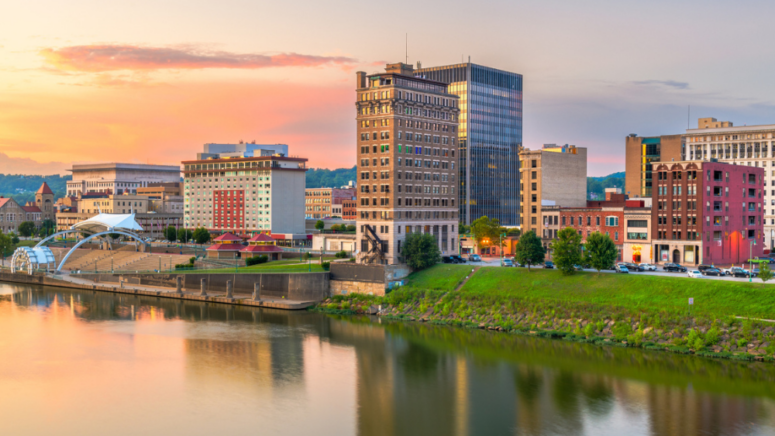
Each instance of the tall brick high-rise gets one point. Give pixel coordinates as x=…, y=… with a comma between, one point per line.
x=407, y=163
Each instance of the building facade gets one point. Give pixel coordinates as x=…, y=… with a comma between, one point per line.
x=407, y=162
x=320, y=202
x=551, y=176
x=637, y=246
x=707, y=212
x=490, y=138
x=118, y=178
x=641, y=153
x=752, y=146
x=245, y=195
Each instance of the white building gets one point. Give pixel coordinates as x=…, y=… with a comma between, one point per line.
x=245, y=194
x=118, y=178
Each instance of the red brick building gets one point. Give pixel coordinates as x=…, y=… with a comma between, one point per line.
x=349, y=210
x=606, y=217
x=707, y=212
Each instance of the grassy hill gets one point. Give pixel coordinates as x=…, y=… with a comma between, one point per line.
x=596, y=185
x=324, y=178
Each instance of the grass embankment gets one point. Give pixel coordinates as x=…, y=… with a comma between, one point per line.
x=628, y=310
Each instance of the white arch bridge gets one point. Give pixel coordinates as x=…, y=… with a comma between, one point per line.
x=26, y=258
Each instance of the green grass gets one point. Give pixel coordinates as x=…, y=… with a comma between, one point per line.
x=441, y=277
x=671, y=294
x=272, y=267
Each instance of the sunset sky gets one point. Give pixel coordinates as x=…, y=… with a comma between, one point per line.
x=151, y=81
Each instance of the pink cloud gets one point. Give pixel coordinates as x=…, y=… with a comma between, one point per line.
x=98, y=58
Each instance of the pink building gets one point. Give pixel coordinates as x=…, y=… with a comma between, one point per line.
x=707, y=213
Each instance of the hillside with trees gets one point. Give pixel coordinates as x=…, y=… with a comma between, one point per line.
x=325, y=178
x=596, y=186
x=22, y=188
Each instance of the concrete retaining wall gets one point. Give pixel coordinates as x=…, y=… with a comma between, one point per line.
x=341, y=287
x=300, y=287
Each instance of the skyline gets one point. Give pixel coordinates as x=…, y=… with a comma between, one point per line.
x=83, y=83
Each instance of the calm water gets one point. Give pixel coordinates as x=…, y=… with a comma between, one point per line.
x=82, y=363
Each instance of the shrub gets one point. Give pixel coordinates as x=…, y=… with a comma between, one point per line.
x=192, y=260
x=326, y=266
x=712, y=336
x=742, y=342
x=621, y=330
x=589, y=330
x=342, y=255
x=256, y=260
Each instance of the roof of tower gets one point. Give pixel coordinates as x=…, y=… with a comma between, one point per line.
x=44, y=189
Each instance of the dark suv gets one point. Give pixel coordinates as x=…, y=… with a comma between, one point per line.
x=673, y=267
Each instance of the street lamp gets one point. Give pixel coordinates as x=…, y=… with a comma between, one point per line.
x=750, y=259
x=500, y=247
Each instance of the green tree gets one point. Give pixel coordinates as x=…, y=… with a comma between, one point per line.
x=515, y=232
x=351, y=228
x=601, y=251
x=486, y=231
x=6, y=244
x=567, y=250
x=185, y=235
x=463, y=229
x=421, y=250
x=201, y=235
x=27, y=229
x=765, y=273
x=529, y=250
x=171, y=234
x=320, y=225
x=336, y=227
x=48, y=227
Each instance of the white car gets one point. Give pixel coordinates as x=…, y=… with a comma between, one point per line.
x=648, y=267
x=694, y=274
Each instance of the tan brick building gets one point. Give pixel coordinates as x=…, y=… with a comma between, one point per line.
x=320, y=202
x=407, y=162
x=640, y=152
x=551, y=176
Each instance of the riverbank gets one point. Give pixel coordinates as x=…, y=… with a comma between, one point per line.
x=609, y=309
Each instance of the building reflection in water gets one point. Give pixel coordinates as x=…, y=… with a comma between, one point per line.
x=391, y=378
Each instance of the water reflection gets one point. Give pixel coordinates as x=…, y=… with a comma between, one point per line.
x=199, y=368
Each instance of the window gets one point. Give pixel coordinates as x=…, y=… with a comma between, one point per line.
x=612, y=221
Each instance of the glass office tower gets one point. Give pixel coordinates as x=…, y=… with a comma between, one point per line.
x=490, y=135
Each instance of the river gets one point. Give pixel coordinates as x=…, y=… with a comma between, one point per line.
x=90, y=363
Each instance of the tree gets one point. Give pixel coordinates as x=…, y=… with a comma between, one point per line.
x=170, y=234
x=336, y=228
x=463, y=229
x=351, y=228
x=601, y=251
x=515, y=232
x=6, y=245
x=185, y=235
x=14, y=238
x=529, y=250
x=421, y=250
x=320, y=225
x=27, y=229
x=486, y=231
x=201, y=235
x=765, y=273
x=567, y=250
x=48, y=227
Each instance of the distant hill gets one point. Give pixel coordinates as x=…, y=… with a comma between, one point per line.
x=596, y=185
x=22, y=187
x=323, y=178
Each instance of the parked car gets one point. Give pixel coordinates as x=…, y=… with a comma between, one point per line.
x=447, y=259
x=702, y=268
x=712, y=272
x=632, y=267
x=549, y=264
x=457, y=259
x=673, y=267
x=755, y=272
x=507, y=262
x=695, y=274
x=622, y=268
x=474, y=258
x=647, y=267
x=738, y=272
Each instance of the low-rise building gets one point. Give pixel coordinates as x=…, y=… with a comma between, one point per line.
x=707, y=212
x=320, y=203
x=637, y=235
x=118, y=178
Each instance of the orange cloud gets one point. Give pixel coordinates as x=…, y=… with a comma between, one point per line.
x=99, y=58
